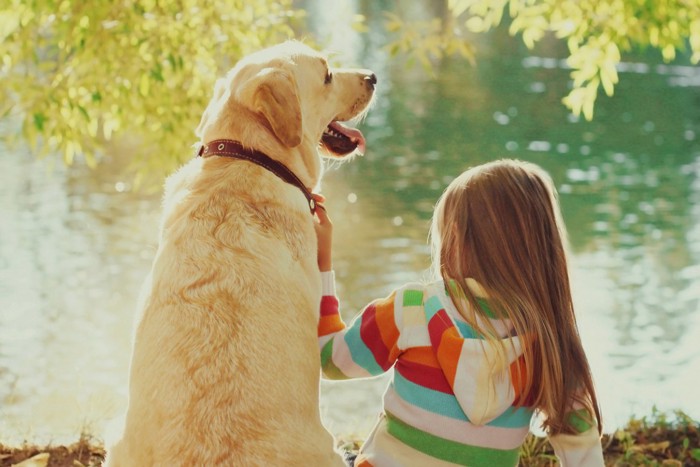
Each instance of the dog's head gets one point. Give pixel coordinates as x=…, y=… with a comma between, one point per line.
x=295, y=94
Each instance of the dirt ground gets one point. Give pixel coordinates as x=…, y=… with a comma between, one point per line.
x=653, y=442
x=86, y=452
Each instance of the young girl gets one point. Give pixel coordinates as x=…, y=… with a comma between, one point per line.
x=475, y=354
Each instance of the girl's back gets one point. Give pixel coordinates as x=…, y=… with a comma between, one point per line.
x=475, y=354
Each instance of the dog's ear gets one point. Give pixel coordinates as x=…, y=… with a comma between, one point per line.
x=274, y=94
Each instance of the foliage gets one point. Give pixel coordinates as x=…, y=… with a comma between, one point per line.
x=427, y=40
x=76, y=73
x=656, y=440
x=596, y=32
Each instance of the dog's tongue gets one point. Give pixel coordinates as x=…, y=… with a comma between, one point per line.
x=353, y=135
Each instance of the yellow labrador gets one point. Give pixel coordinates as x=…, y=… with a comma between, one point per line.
x=225, y=364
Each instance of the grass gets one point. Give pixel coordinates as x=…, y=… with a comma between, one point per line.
x=659, y=440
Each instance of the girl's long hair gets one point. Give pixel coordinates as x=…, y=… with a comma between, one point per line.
x=500, y=225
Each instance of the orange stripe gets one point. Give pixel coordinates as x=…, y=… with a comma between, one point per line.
x=516, y=376
x=384, y=316
x=519, y=378
x=364, y=463
x=423, y=355
x=329, y=324
x=448, y=353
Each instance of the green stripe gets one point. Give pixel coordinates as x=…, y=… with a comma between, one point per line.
x=450, y=451
x=456, y=288
x=580, y=420
x=330, y=371
x=412, y=297
x=484, y=306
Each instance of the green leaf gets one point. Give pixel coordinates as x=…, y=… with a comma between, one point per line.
x=39, y=119
x=157, y=73
x=695, y=454
x=84, y=112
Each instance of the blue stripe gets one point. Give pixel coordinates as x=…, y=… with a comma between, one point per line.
x=467, y=331
x=447, y=405
x=432, y=306
x=513, y=417
x=360, y=353
x=427, y=399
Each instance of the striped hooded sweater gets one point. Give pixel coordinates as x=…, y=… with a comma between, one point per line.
x=448, y=403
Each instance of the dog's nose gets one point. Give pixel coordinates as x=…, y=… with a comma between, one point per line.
x=371, y=80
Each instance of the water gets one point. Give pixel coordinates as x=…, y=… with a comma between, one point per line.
x=75, y=244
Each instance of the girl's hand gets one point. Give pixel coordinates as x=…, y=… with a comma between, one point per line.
x=324, y=235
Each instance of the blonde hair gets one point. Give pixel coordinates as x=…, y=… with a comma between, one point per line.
x=499, y=224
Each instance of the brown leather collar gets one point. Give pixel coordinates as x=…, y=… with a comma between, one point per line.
x=234, y=149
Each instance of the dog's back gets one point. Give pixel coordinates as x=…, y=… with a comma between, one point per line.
x=221, y=372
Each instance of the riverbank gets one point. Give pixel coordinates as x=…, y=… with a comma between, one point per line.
x=656, y=440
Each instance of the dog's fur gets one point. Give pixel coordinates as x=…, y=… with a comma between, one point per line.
x=225, y=364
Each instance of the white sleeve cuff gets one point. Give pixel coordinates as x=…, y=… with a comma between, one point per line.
x=328, y=283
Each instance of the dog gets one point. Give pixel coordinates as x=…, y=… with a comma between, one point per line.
x=225, y=364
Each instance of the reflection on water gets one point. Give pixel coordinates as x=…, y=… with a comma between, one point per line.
x=73, y=253
x=76, y=244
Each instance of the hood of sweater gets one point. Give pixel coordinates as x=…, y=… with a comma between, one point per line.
x=480, y=370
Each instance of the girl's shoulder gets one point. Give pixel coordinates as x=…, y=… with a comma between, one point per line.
x=416, y=294
x=410, y=304
x=410, y=294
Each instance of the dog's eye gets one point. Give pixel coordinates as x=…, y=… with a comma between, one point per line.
x=329, y=77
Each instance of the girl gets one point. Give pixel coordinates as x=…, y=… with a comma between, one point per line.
x=476, y=353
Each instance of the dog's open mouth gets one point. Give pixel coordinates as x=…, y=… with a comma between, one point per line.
x=340, y=140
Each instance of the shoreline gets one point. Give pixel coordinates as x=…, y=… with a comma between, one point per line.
x=657, y=439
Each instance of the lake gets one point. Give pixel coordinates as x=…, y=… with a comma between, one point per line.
x=75, y=243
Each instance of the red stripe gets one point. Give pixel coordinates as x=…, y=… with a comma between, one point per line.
x=369, y=332
x=423, y=375
x=438, y=324
x=329, y=305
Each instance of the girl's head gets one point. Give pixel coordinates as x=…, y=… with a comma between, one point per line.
x=499, y=224
x=496, y=218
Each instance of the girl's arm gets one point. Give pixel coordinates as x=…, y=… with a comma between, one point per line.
x=369, y=346
x=582, y=449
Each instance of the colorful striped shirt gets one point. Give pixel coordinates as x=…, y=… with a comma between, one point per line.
x=449, y=402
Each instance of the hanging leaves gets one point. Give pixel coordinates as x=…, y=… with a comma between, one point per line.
x=78, y=73
x=596, y=32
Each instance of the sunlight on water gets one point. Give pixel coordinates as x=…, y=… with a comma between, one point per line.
x=72, y=257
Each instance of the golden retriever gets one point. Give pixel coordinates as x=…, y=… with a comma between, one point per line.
x=225, y=363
